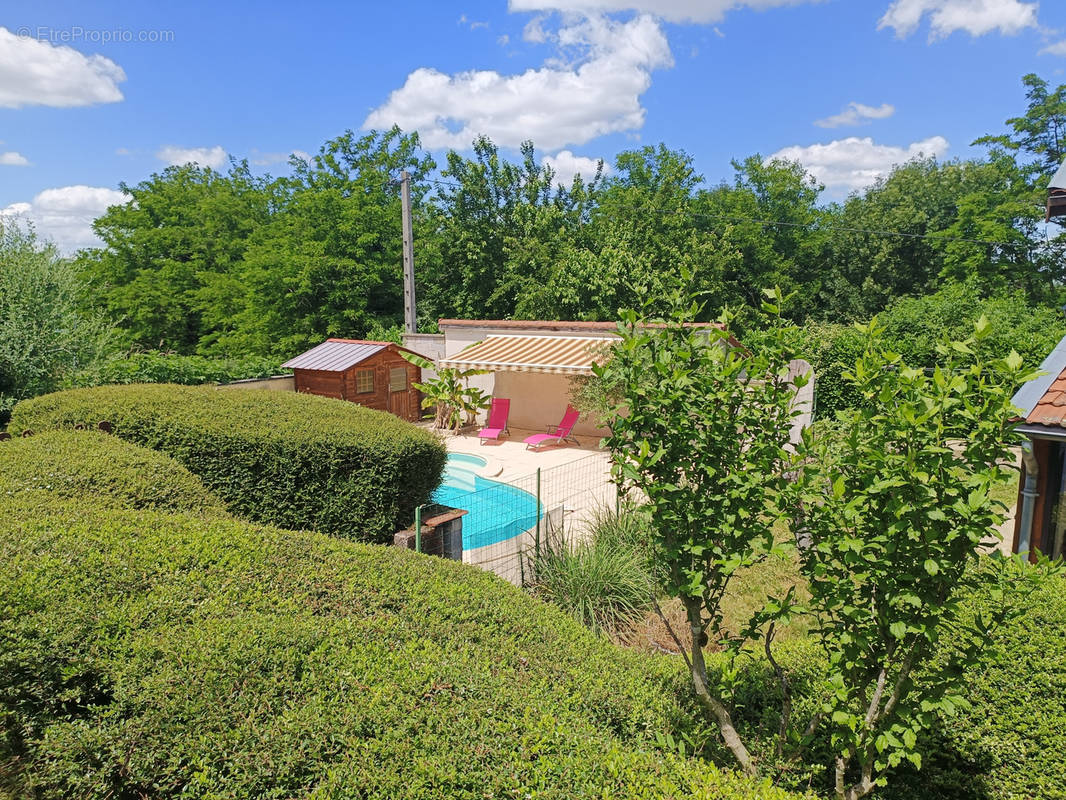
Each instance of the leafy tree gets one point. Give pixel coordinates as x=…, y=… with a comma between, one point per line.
x=328, y=262
x=172, y=252
x=45, y=336
x=895, y=516
x=449, y=393
x=700, y=430
x=1041, y=131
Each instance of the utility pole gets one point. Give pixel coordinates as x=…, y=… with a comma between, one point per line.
x=409, y=317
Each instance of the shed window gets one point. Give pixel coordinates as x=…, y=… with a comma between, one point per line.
x=398, y=379
x=364, y=381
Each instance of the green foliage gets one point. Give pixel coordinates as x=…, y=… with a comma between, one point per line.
x=892, y=518
x=601, y=577
x=914, y=326
x=700, y=431
x=289, y=459
x=103, y=469
x=449, y=393
x=1006, y=740
x=159, y=367
x=44, y=334
x=176, y=656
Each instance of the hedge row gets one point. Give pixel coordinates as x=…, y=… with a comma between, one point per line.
x=288, y=459
x=156, y=367
x=1008, y=744
x=106, y=469
x=161, y=655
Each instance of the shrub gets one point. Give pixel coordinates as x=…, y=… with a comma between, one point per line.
x=293, y=460
x=157, y=367
x=160, y=655
x=601, y=579
x=112, y=472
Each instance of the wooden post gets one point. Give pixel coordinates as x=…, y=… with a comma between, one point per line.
x=409, y=316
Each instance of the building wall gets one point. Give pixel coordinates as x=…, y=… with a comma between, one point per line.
x=343, y=386
x=278, y=383
x=546, y=396
x=539, y=400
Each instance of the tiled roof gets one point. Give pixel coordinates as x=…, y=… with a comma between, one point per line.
x=1050, y=409
x=561, y=325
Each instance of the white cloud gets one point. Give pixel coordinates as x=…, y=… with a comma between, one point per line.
x=534, y=31
x=567, y=165
x=37, y=73
x=670, y=10
x=1057, y=49
x=213, y=157
x=556, y=105
x=503, y=40
x=976, y=17
x=65, y=215
x=853, y=163
x=13, y=159
x=857, y=114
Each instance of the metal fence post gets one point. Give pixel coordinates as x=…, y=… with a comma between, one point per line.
x=418, y=529
x=536, y=541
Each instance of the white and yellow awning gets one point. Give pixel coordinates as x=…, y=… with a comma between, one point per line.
x=565, y=355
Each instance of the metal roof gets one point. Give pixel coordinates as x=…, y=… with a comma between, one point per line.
x=1059, y=179
x=1032, y=393
x=571, y=355
x=335, y=355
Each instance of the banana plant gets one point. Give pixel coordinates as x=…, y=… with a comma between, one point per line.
x=455, y=402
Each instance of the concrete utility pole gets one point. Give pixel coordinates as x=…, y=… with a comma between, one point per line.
x=410, y=319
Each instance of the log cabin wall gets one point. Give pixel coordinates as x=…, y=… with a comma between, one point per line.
x=354, y=385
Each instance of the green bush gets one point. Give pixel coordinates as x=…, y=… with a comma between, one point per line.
x=156, y=367
x=602, y=578
x=161, y=655
x=289, y=459
x=89, y=464
x=1010, y=742
x=1007, y=744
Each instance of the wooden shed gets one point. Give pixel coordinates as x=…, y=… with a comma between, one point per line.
x=372, y=374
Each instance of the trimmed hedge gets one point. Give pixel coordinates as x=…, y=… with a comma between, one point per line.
x=1007, y=745
x=293, y=460
x=89, y=464
x=156, y=655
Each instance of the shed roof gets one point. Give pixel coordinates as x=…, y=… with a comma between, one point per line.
x=568, y=355
x=1033, y=393
x=336, y=355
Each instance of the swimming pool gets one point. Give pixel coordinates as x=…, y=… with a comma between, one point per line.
x=497, y=511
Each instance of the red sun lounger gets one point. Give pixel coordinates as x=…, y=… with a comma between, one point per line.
x=556, y=434
x=497, y=424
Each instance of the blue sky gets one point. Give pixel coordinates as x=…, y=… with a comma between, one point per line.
x=96, y=94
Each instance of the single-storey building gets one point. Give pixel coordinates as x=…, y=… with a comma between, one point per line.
x=1040, y=524
x=372, y=374
x=531, y=362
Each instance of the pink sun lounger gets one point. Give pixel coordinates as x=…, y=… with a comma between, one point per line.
x=561, y=433
x=497, y=424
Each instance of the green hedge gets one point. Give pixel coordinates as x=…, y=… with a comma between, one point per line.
x=1007, y=745
x=156, y=367
x=89, y=464
x=160, y=655
x=289, y=459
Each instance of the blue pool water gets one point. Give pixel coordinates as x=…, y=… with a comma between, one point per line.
x=497, y=511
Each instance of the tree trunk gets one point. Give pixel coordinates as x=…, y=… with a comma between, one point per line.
x=710, y=703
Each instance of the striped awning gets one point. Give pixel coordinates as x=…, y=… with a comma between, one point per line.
x=567, y=355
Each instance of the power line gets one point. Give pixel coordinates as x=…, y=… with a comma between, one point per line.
x=805, y=225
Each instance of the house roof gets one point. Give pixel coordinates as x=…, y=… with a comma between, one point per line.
x=562, y=325
x=1058, y=180
x=1039, y=390
x=337, y=355
x=1050, y=409
x=566, y=355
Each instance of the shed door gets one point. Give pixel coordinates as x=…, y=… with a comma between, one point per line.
x=398, y=394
